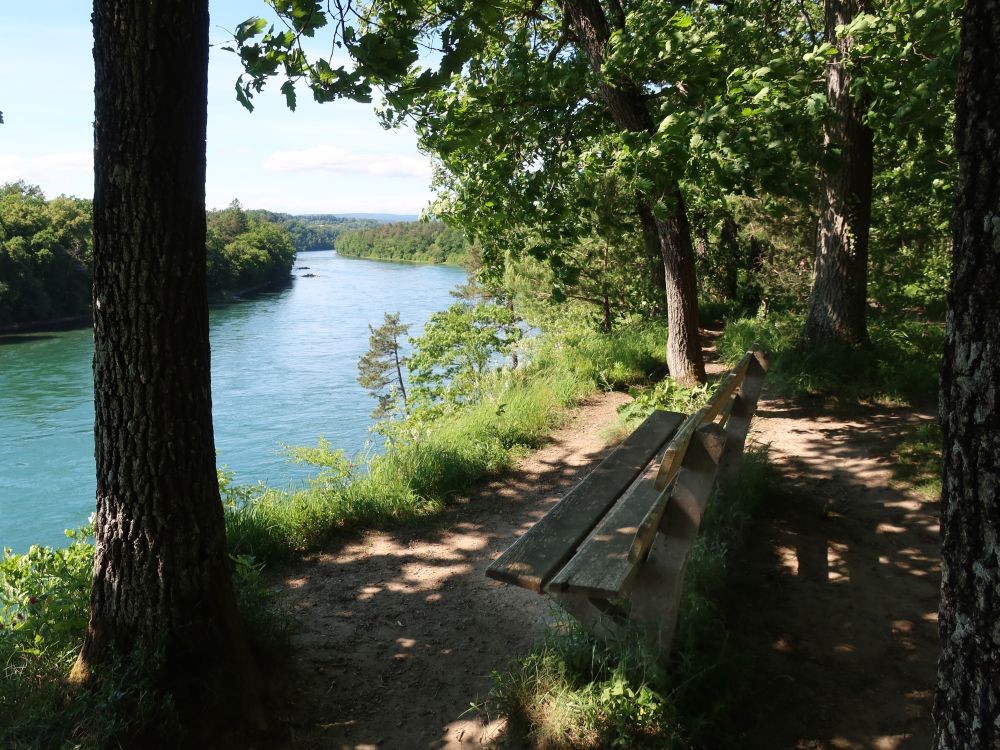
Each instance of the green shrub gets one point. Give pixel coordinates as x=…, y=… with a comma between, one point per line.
x=44, y=599
x=666, y=394
x=44, y=603
x=900, y=366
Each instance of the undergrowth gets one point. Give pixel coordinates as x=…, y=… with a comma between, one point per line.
x=574, y=691
x=44, y=600
x=916, y=460
x=430, y=463
x=899, y=367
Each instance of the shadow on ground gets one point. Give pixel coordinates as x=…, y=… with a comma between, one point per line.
x=400, y=631
x=833, y=604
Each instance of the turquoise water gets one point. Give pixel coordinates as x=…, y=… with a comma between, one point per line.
x=284, y=368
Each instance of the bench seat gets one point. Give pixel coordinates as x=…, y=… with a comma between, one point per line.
x=622, y=534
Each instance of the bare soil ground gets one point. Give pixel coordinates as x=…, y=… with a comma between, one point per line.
x=833, y=601
x=399, y=631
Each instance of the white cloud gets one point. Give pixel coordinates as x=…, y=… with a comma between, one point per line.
x=72, y=161
x=45, y=168
x=332, y=159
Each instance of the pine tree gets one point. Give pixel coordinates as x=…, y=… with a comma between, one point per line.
x=380, y=370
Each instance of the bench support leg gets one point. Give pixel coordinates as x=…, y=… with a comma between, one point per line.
x=594, y=614
x=741, y=414
x=659, y=585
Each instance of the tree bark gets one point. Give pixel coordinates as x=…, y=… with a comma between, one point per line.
x=839, y=297
x=654, y=255
x=630, y=112
x=967, y=706
x=729, y=250
x=162, y=573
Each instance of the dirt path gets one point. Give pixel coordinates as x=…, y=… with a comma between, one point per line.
x=400, y=631
x=835, y=599
x=833, y=604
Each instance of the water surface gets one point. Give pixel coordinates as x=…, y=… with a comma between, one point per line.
x=284, y=369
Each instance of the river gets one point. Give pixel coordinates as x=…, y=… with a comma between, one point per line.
x=284, y=369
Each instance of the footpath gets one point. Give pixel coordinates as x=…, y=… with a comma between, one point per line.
x=833, y=602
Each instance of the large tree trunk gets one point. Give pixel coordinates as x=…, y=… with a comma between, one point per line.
x=162, y=573
x=839, y=298
x=967, y=709
x=629, y=112
x=654, y=256
x=729, y=252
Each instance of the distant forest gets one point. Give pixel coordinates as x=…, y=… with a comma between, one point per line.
x=46, y=254
x=46, y=249
x=411, y=241
x=314, y=231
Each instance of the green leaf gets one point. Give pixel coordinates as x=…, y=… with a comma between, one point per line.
x=249, y=28
x=242, y=95
x=288, y=89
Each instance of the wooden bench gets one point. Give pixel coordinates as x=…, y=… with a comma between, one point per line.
x=615, y=547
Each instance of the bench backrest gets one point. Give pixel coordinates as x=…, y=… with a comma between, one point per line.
x=648, y=495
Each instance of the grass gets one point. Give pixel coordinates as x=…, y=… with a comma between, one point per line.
x=425, y=469
x=573, y=691
x=899, y=367
x=916, y=461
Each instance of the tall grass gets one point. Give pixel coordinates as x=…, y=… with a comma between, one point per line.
x=422, y=470
x=899, y=367
x=574, y=691
x=44, y=599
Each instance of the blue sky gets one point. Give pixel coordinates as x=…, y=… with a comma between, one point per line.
x=325, y=158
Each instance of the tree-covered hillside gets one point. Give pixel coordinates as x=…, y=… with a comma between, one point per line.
x=245, y=251
x=314, y=231
x=411, y=241
x=46, y=254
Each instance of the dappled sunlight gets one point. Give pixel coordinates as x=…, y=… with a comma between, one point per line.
x=837, y=568
x=836, y=603
x=411, y=612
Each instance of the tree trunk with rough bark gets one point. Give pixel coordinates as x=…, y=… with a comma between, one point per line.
x=729, y=252
x=654, y=256
x=839, y=298
x=630, y=112
x=162, y=573
x=967, y=706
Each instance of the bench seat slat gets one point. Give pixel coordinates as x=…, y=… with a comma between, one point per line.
x=601, y=567
x=611, y=556
x=535, y=557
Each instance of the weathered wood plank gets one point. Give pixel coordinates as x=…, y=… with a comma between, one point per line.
x=670, y=464
x=535, y=557
x=611, y=556
x=721, y=397
x=659, y=583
